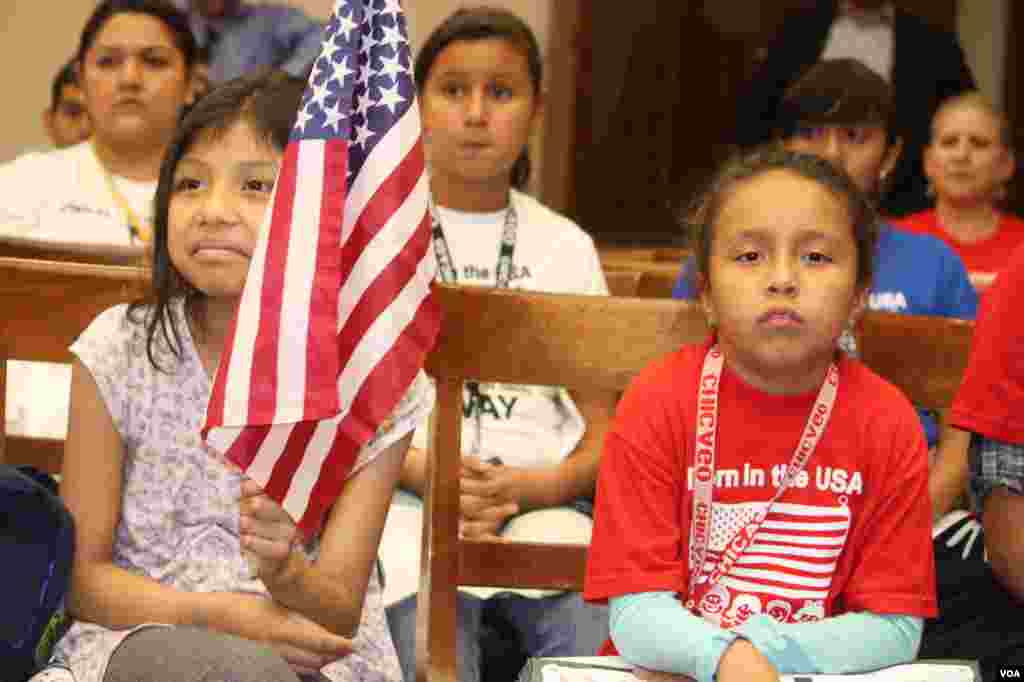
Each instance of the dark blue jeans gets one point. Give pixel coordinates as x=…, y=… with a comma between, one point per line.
x=560, y=625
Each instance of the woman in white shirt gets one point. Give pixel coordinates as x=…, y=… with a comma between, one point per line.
x=134, y=61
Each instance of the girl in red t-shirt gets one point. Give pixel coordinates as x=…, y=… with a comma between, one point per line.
x=755, y=490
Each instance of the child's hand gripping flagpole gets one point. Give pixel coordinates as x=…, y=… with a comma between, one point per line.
x=336, y=317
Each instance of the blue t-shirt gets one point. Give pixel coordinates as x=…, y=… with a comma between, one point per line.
x=915, y=274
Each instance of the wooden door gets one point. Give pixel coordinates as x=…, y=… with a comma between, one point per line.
x=641, y=105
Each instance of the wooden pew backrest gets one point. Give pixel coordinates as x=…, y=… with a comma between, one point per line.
x=44, y=306
x=622, y=282
x=594, y=345
x=591, y=344
x=925, y=357
x=646, y=280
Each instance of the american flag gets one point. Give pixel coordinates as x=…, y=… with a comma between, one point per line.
x=793, y=556
x=336, y=316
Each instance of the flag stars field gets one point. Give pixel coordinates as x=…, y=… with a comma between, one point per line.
x=336, y=316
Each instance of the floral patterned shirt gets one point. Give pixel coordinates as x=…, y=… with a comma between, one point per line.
x=179, y=512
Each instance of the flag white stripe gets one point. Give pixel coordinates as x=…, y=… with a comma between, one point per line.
x=780, y=577
x=389, y=241
x=378, y=340
x=774, y=590
x=812, y=526
x=239, y=371
x=809, y=510
x=806, y=566
x=794, y=551
x=270, y=451
x=222, y=438
x=389, y=152
x=801, y=540
x=299, y=270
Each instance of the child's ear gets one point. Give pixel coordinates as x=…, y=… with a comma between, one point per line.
x=704, y=297
x=198, y=83
x=928, y=161
x=1007, y=166
x=539, y=111
x=48, y=124
x=860, y=304
x=892, y=155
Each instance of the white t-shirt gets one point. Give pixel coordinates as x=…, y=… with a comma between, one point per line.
x=523, y=425
x=869, y=40
x=63, y=196
x=59, y=196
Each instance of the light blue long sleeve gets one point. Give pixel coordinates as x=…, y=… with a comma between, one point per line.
x=653, y=630
x=852, y=642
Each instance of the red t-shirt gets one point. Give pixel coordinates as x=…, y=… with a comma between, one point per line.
x=852, y=534
x=983, y=259
x=991, y=397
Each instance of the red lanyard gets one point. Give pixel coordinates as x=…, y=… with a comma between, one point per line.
x=704, y=470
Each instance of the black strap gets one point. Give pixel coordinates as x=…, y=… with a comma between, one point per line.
x=506, y=249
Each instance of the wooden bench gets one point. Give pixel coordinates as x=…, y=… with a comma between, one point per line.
x=595, y=345
x=652, y=283
x=591, y=344
x=638, y=257
x=74, y=252
x=44, y=305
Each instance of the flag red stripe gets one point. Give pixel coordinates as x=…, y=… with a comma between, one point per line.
x=375, y=400
x=289, y=459
x=263, y=377
x=386, y=286
x=386, y=200
x=215, y=407
x=336, y=467
x=249, y=441
x=321, y=398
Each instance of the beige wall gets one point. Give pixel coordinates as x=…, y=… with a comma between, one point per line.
x=424, y=15
x=985, y=48
x=38, y=36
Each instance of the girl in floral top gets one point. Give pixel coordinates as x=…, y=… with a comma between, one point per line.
x=161, y=589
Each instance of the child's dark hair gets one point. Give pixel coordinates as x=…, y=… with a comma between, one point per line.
x=66, y=76
x=162, y=10
x=837, y=92
x=706, y=210
x=483, y=23
x=266, y=99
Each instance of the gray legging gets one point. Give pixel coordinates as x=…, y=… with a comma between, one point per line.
x=187, y=654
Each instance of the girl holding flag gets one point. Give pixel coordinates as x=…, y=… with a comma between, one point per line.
x=161, y=588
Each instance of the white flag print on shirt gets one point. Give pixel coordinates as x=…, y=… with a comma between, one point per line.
x=793, y=555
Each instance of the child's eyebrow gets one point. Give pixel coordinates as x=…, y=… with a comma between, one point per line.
x=767, y=233
x=257, y=165
x=456, y=72
x=244, y=166
x=753, y=234
x=117, y=48
x=814, y=234
x=189, y=161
